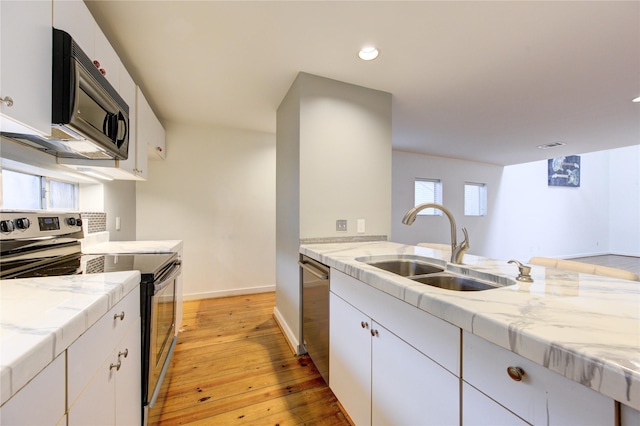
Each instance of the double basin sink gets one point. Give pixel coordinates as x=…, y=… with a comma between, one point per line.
x=423, y=272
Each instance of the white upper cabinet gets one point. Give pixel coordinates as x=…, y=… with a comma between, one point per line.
x=74, y=17
x=25, y=67
x=150, y=131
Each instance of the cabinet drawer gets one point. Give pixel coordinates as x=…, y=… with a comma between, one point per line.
x=437, y=339
x=541, y=397
x=91, y=349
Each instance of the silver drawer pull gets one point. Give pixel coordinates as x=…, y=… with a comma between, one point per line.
x=374, y=333
x=364, y=324
x=117, y=366
x=120, y=315
x=124, y=354
x=516, y=373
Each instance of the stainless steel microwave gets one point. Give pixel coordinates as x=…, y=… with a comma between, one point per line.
x=89, y=119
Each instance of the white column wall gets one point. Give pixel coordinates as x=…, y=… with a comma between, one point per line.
x=624, y=199
x=215, y=191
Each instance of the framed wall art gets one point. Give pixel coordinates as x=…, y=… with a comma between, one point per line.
x=564, y=171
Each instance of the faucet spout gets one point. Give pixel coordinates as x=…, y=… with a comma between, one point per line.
x=457, y=251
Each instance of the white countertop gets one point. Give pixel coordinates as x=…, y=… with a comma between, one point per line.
x=581, y=326
x=124, y=247
x=41, y=317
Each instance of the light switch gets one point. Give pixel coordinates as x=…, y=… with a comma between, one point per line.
x=360, y=226
x=117, y=223
x=341, y=225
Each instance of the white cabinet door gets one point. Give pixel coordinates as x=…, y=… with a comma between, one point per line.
x=379, y=378
x=25, y=66
x=94, y=392
x=96, y=403
x=350, y=359
x=73, y=17
x=629, y=416
x=150, y=130
x=46, y=392
x=480, y=410
x=408, y=388
x=128, y=390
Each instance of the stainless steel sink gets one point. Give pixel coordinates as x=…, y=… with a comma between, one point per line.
x=406, y=267
x=455, y=282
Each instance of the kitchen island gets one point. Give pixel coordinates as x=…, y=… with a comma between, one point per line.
x=582, y=327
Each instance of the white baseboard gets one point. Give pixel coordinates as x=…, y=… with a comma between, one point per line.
x=227, y=293
x=288, y=333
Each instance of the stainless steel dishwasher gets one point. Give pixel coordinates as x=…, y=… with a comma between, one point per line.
x=314, y=281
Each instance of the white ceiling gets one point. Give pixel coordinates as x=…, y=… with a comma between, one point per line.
x=482, y=80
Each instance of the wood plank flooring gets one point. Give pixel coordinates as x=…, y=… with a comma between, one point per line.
x=233, y=366
x=628, y=263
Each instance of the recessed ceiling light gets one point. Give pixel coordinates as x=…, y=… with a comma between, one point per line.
x=636, y=99
x=551, y=145
x=368, y=53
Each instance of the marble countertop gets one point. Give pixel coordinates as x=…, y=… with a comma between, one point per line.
x=41, y=317
x=124, y=247
x=583, y=327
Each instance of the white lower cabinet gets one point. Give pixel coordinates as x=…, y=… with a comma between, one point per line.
x=377, y=376
x=629, y=416
x=45, y=392
x=480, y=410
x=104, y=371
x=540, y=397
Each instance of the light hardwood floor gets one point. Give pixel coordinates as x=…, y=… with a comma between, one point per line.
x=628, y=263
x=233, y=366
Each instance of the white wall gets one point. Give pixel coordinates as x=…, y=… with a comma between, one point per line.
x=453, y=174
x=120, y=201
x=216, y=192
x=624, y=201
x=526, y=217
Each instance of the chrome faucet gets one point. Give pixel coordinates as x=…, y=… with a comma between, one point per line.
x=457, y=251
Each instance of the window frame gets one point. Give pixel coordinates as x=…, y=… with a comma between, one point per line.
x=437, y=196
x=44, y=192
x=480, y=209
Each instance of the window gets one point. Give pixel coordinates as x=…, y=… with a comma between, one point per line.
x=428, y=191
x=475, y=199
x=22, y=191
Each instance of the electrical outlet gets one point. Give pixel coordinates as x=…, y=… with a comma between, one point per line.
x=360, y=226
x=341, y=225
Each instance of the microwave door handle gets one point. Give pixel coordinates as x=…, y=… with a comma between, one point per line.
x=125, y=126
x=110, y=126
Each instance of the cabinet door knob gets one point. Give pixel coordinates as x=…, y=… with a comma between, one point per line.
x=7, y=101
x=374, y=333
x=120, y=315
x=364, y=324
x=117, y=365
x=516, y=373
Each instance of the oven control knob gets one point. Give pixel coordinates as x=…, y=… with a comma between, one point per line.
x=6, y=226
x=78, y=222
x=71, y=221
x=23, y=223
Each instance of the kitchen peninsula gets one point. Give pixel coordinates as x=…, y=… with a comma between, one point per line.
x=583, y=328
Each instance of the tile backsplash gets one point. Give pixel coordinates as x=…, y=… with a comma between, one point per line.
x=94, y=221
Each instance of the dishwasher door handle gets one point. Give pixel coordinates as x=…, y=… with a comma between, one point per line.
x=313, y=271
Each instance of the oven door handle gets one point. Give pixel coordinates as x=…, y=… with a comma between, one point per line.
x=175, y=271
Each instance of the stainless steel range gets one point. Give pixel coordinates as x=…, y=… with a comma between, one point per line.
x=41, y=244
